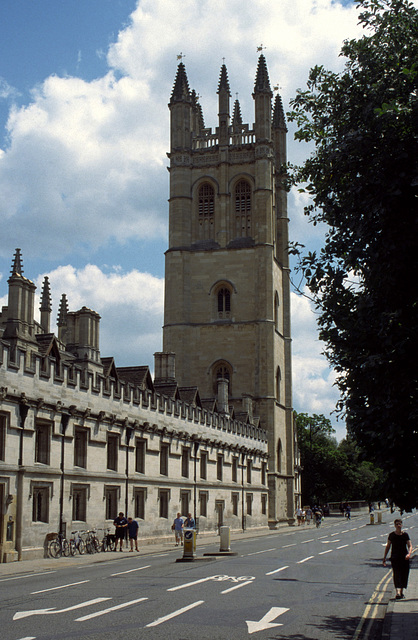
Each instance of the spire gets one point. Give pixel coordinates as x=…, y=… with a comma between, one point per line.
x=223, y=81
x=181, y=91
x=46, y=296
x=262, y=82
x=17, y=267
x=279, y=120
x=62, y=311
x=237, y=118
x=197, y=108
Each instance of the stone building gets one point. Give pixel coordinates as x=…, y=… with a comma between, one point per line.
x=82, y=439
x=227, y=307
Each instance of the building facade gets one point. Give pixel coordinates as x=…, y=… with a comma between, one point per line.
x=212, y=433
x=82, y=439
x=227, y=291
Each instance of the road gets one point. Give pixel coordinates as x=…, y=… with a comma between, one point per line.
x=301, y=583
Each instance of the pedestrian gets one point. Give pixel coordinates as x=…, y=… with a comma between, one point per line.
x=348, y=511
x=308, y=515
x=121, y=525
x=177, y=527
x=401, y=553
x=342, y=509
x=133, y=527
x=189, y=523
x=299, y=516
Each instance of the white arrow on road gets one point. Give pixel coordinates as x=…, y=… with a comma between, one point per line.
x=40, y=612
x=265, y=622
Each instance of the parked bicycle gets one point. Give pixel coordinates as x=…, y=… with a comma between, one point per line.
x=77, y=543
x=109, y=541
x=59, y=546
x=92, y=542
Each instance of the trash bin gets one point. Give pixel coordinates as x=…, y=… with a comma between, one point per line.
x=225, y=542
x=372, y=518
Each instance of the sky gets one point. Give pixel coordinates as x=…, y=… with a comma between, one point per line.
x=84, y=133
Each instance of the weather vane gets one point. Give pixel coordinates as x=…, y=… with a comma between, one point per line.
x=261, y=47
x=181, y=55
x=277, y=86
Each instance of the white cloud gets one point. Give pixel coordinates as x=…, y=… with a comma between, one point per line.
x=130, y=306
x=84, y=154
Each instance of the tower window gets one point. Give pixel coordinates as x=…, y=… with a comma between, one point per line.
x=206, y=205
x=221, y=370
x=243, y=208
x=224, y=303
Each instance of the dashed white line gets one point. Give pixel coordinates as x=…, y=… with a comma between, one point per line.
x=373, y=538
x=258, y=552
x=358, y=542
x=28, y=575
x=104, y=611
x=289, y=545
x=121, y=573
x=305, y=541
x=237, y=586
x=174, y=614
x=321, y=553
x=305, y=559
x=190, y=584
x=342, y=546
x=64, y=586
x=270, y=573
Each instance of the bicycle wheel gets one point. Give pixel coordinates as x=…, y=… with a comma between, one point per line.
x=110, y=543
x=66, y=551
x=81, y=547
x=73, y=547
x=104, y=545
x=54, y=549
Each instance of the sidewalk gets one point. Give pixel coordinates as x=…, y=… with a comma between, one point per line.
x=401, y=619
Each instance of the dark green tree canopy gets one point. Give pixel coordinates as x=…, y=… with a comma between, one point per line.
x=363, y=183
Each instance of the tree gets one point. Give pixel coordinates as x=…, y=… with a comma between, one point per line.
x=332, y=471
x=363, y=183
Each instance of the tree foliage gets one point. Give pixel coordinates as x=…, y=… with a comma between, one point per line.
x=332, y=471
x=363, y=183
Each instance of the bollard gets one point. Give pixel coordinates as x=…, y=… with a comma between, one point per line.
x=225, y=541
x=189, y=545
x=379, y=518
x=372, y=518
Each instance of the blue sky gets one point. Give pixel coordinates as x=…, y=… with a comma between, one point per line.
x=84, y=131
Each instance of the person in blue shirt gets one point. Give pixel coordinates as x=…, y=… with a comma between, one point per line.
x=178, y=529
x=121, y=525
x=189, y=522
x=133, y=527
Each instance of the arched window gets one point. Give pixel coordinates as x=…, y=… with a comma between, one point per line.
x=224, y=302
x=278, y=383
x=221, y=370
x=206, y=207
x=243, y=209
x=276, y=311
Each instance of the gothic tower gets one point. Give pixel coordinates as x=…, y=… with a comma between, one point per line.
x=227, y=307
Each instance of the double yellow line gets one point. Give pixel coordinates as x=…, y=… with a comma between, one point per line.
x=371, y=610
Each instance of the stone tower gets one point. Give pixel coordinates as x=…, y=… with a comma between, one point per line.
x=227, y=308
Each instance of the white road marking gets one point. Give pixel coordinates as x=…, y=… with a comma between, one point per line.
x=335, y=534
x=329, y=541
x=160, y=555
x=342, y=546
x=237, y=586
x=305, y=541
x=174, y=614
x=50, y=610
x=130, y=571
x=28, y=638
x=190, y=584
x=270, y=573
x=64, y=586
x=289, y=545
x=345, y=531
x=115, y=608
x=373, y=538
x=321, y=537
x=305, y=559
x=257, y=552
x=28, y=575
x=358, y=542
x=265, y=622
x=321, y=553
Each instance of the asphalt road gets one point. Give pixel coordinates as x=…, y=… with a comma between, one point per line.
x=299, y=584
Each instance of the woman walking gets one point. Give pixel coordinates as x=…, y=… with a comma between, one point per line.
x=401, y=552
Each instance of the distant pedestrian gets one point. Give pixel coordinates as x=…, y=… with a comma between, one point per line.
x=342, y=509
x=348, y=511
x=177, y=527
x=121, y=525
x=309, y=515
x=401, y=553
x=133, y=527
x=189, y=523
x=299, y=516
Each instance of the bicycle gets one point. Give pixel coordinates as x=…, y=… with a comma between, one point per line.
x=77, y=543
x=59, y=546
x=92, y=541
x=109, y=541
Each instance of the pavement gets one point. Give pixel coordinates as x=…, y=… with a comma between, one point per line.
x=401, y=618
